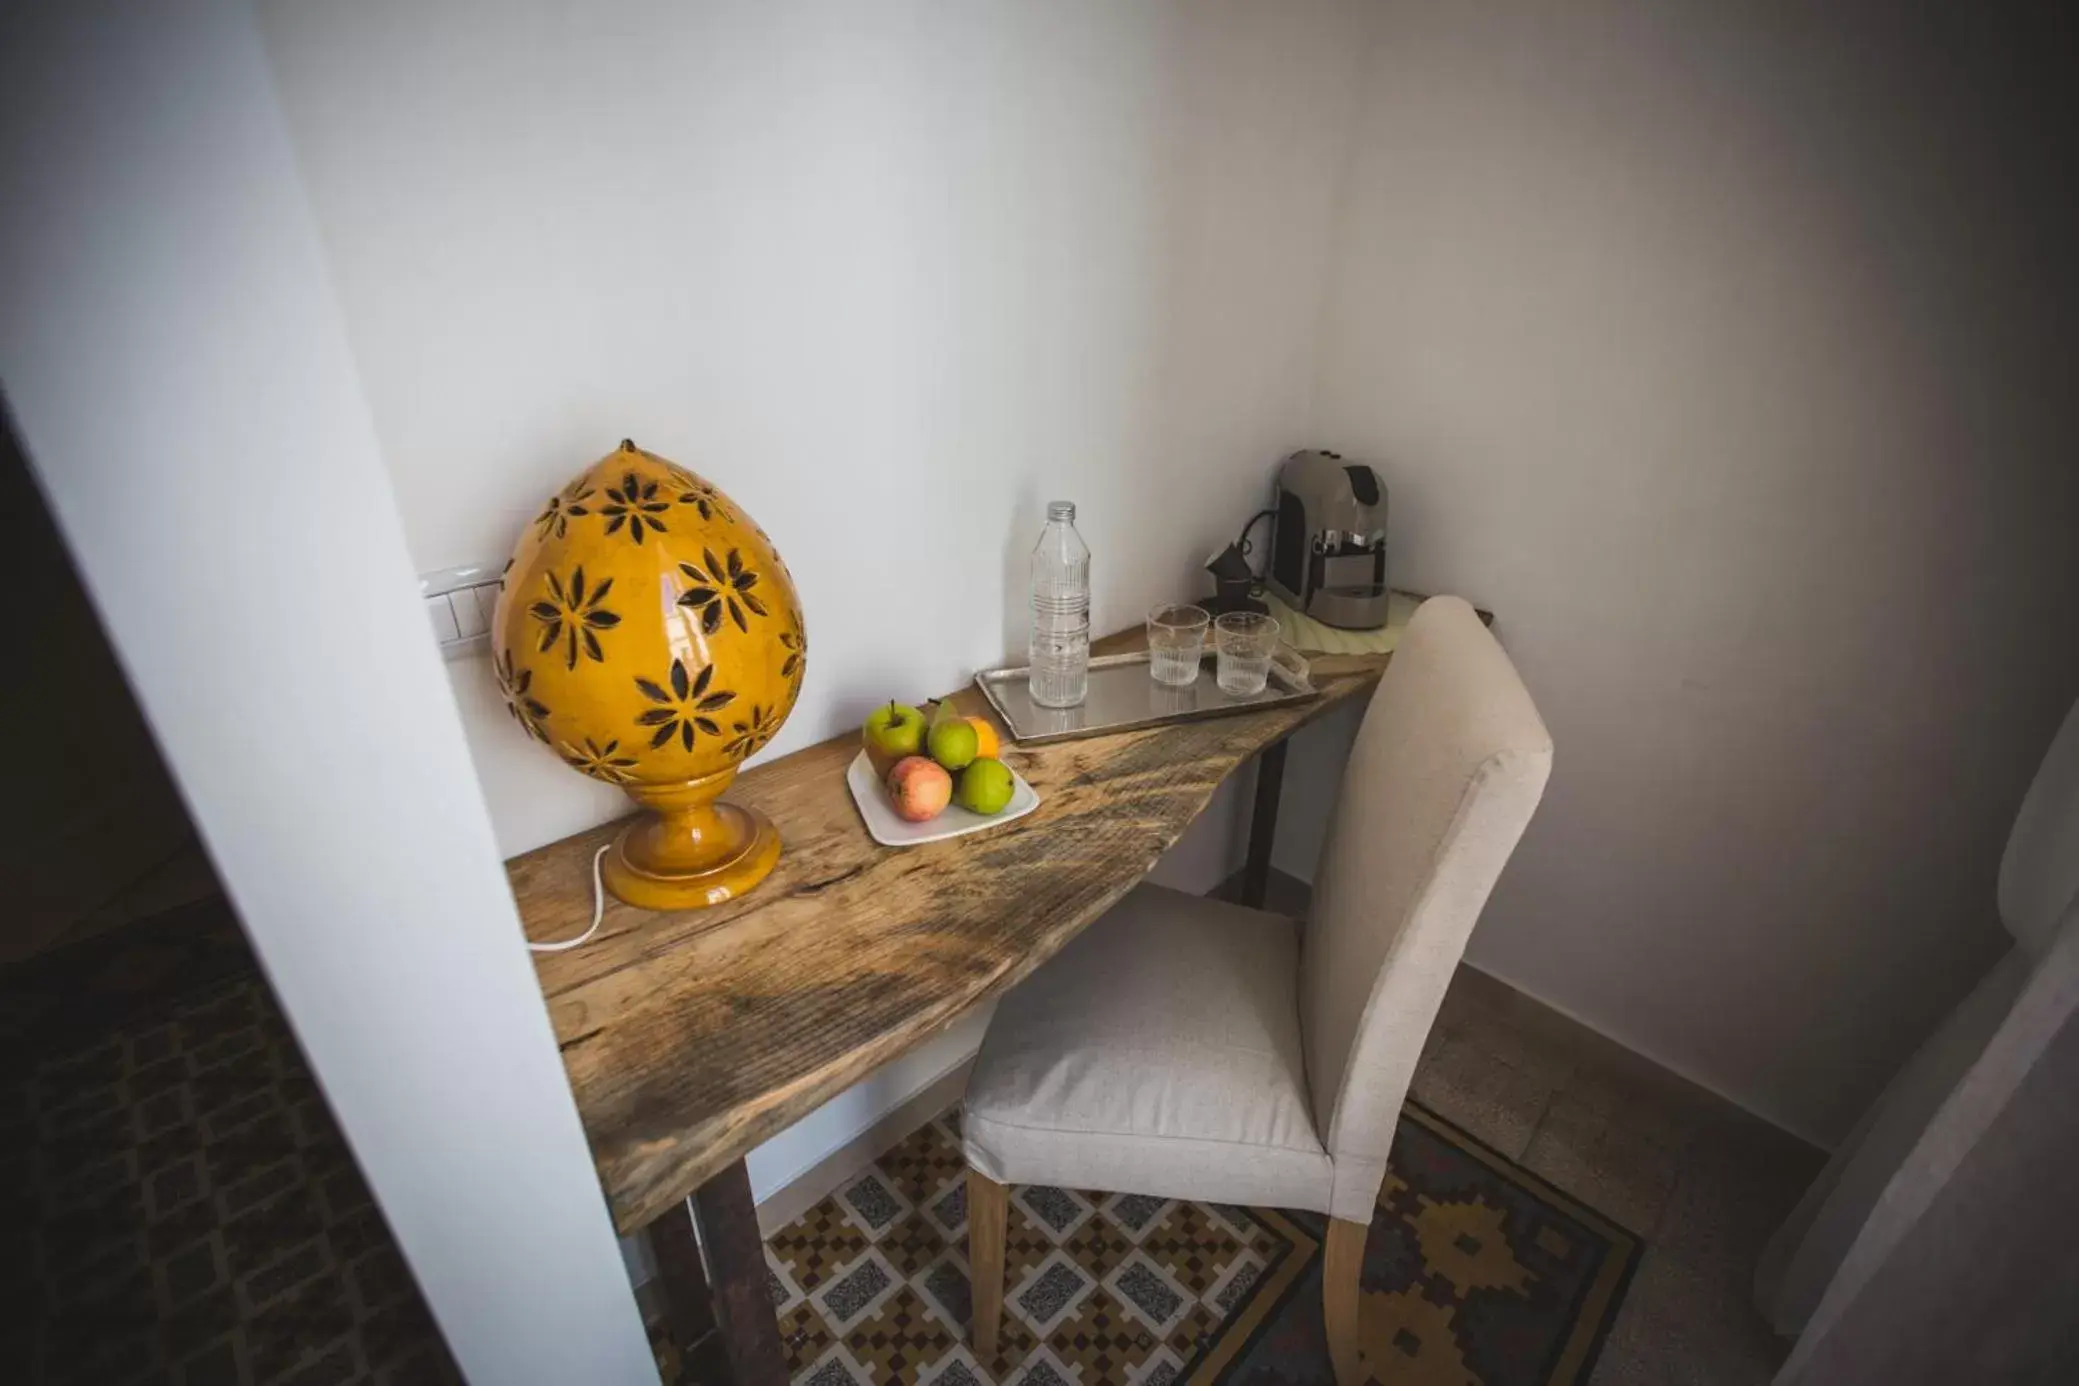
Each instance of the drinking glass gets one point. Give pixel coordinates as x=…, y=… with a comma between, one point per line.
x=1176, y=642
x=1245, y=642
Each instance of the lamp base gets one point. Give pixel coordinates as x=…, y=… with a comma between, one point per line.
x=689, y=852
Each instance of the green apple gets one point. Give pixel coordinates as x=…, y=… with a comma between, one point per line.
x=891, y=733
x=984, y=787
x=953, y=742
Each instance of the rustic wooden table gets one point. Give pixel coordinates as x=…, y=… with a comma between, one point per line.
x=691, y=1037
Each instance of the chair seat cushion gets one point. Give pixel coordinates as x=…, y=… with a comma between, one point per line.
x=1158, y=1053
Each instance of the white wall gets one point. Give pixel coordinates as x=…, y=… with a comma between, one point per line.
x=892, y=274
x=178, y=374
x=1725, y=352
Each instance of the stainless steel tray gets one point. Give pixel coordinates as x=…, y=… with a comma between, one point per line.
x=1123, y=697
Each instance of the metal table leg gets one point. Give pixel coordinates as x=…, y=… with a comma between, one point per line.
x=1263, y=823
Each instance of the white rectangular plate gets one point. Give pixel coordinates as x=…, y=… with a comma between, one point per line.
x=890, y=829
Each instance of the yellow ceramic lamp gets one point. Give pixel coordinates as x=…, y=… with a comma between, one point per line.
x=648, y=633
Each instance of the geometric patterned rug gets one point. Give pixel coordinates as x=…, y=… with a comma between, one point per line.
x=1476, y=1273
x=178, y=1205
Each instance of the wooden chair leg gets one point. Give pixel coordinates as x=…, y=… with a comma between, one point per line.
x=987, y=1205
x=1342, y=1260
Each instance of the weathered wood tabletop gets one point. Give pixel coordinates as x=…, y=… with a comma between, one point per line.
x=691, y=1037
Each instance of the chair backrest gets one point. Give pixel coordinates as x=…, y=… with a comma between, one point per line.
x=1444, y=776
x=2039, y=875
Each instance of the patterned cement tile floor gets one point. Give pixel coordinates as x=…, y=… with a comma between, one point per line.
x=871, y=1283
x=1475, y=1274
x=178, y=1205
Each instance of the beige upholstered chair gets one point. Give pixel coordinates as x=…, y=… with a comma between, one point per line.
x=1193, y=1049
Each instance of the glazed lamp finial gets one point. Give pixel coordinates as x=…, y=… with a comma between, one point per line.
x=647, y=632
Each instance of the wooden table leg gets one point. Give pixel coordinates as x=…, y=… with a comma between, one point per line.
x=689, y=1316
x=1263, y=824
x=734, y=1257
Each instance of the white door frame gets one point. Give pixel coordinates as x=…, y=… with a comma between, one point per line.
x=181, y=382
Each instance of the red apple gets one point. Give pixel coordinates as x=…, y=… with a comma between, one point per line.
x=919, y=788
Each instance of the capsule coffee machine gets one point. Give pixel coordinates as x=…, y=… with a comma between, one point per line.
x=1328, y=541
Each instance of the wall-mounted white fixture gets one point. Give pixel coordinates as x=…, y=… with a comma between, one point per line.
x=458, y=603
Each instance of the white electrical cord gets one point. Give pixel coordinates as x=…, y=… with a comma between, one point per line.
x=598, y=912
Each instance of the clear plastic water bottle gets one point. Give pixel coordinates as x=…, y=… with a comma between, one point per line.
x=1060, y=611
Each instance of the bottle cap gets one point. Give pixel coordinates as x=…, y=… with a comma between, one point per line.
x=1061, y=510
